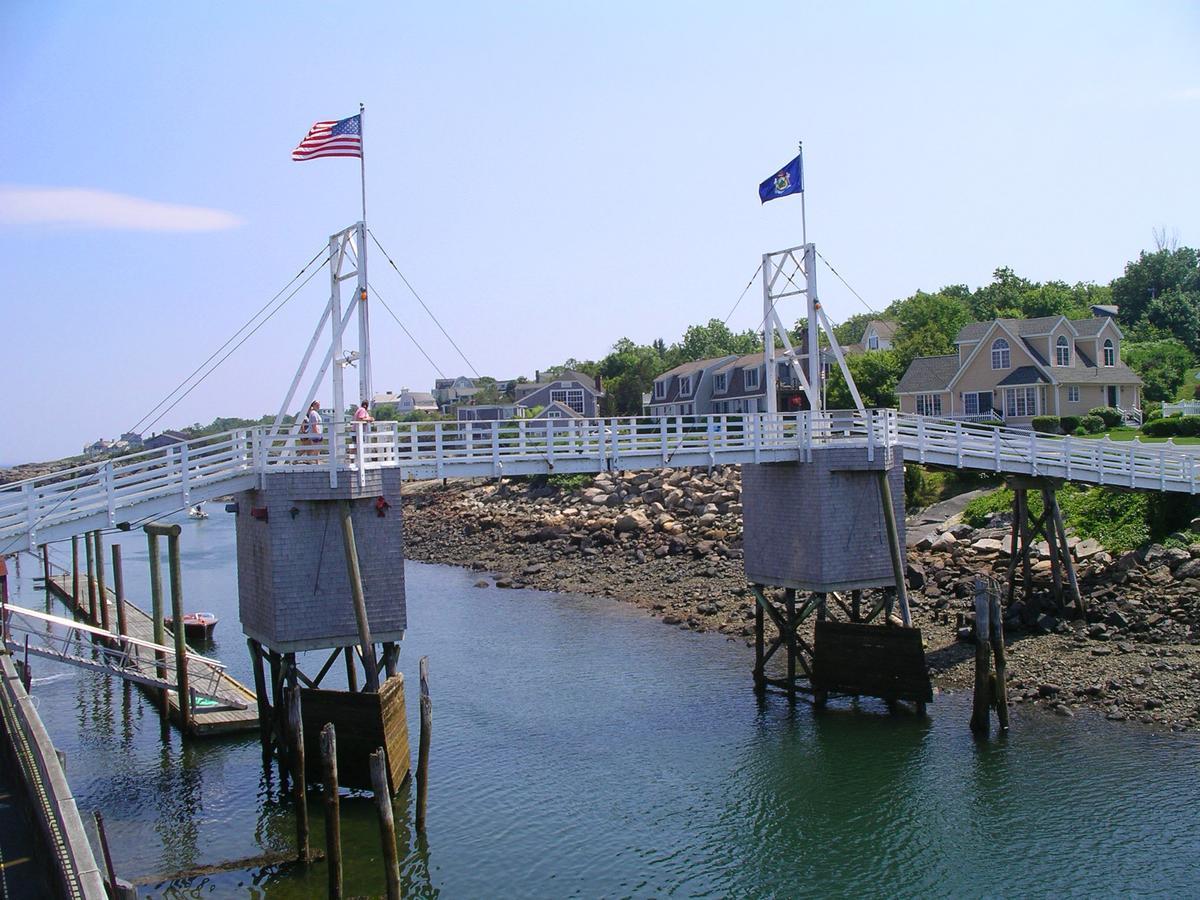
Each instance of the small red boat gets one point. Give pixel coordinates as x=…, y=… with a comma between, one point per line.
x=197, y=626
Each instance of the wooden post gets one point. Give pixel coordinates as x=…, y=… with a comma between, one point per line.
x=1069, y=563
x=996, y=634
x=181, y=672
x=101, y=588
x=856, y=606
x=75, y=594
x=789, y=601
x=260, y=693
x=108, y=863
x=333, y=815
x=897, y=549
x=759, y=663
x=46, y=564
x=1026, y=565
x=156, y=613
x=360, y=604
x=980, y=717
x=387, y=823
x=299, y=782
x=276, y=663
x=423, y=746
x=1051, y=535
x=90, y=548
x=351, y=671
x=1018, y=497
x=389, y=658
x=119, y=588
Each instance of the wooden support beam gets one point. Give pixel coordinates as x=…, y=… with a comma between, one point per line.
x=299, y=781
x=177, y=629
x=1048, y=504
x=356, y=592
x=260, y=692
x=894, y=545
x=333, y=815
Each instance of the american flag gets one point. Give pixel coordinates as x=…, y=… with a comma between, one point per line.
x=342, y=137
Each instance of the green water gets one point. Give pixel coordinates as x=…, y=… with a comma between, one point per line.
x=581, y=749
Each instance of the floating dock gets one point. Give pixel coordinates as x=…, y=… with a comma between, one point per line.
x=139, y=624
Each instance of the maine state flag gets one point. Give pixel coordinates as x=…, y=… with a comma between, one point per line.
x=788, y=180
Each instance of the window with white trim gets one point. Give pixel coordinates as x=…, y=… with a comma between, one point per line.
x=1001, y=356
x=751, y=377
x=721, y=382
x=929, y=404
x=572, y=397
x=1062, y=352
x=1020, y=401
x=873, y=341
x=685, y=385
x=1072, y=393
x=660, y=390
x=1110, y=353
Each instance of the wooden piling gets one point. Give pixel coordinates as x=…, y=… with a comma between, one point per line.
x=1060, y=529
x=75, y=586
x=356, y=592
x=351, y=671
x=260, y=693
x=980, y=717
x=1014, y=546
x=387, y=823
x=789, y=602
x=759, y=639
x=111, y=878
x=333, y=814
x=101, y=589
x=389, y=658
x=423, y=746
x=181, y=672
x=996, y=635
x=894, y=545
x=156, y=612
x=119, y=589
x=299, y=780
x=90, y=551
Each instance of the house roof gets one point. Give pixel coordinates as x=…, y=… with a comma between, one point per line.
x=1023, y=375
x=1093, y=327
x=928, y=373
x=974, y=331
x=585, y=381
x=696, y=365
x=1118, y=374
x=885, y=328
x=562, y=409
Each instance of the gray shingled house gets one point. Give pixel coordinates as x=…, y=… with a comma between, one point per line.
x=574, y=390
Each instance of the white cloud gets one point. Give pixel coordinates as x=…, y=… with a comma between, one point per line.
x=88, y=208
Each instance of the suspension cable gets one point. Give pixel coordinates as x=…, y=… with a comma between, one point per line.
x=743, y=294
x=232, y=338
x=846, y=283
x=416, y=343
x=422, y=302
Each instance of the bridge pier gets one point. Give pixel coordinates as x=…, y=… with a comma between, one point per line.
x=322, y=568
x=1026, y=530
x=826, y=527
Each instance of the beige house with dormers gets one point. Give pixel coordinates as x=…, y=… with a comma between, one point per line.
x=1015, y=369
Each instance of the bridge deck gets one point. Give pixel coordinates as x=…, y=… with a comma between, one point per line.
x=158, y=482
x=139, y=624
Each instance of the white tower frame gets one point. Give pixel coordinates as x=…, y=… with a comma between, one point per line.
x=347, y=260
x=786, y=274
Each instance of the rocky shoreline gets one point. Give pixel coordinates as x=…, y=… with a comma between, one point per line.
x=670, y=542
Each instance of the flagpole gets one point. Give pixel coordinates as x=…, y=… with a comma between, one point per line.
x=803, y=217
x=362, y=161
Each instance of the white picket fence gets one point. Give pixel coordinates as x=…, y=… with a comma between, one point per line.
x=1183, y=407
x=141, y=486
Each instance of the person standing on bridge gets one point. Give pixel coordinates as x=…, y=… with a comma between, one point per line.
x=362, y=414
x=311, y=429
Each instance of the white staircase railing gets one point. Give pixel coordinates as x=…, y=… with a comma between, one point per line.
x=154, y=483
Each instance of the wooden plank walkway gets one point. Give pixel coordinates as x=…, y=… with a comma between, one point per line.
x=139, y=624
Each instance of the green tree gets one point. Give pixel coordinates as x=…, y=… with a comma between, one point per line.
x=716, y=339
x=1162, y=364
x=1004, y=298
x=929, y=323
x=1177, y=312
x=1150, y=276
x=875, y=374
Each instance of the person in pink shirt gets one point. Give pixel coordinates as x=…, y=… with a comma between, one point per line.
x=362, y=414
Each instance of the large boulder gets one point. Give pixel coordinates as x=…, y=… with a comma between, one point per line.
x=633, y=522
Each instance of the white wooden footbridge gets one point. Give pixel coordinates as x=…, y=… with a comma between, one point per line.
x=142, y=486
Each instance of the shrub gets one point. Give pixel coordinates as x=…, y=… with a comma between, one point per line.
x=1079, y=431
x=1068, y=424
x=1092, y=424
x=1161, y=428
x=1155, y=412
x=1111, y=417
x=1046, y=424
x=922, y=487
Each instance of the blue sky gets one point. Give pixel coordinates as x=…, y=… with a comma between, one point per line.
x=550, y=176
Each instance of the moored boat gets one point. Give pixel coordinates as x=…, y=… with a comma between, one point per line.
x=197, y=626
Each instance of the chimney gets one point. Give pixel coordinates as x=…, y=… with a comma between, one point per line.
x=537, y=375
x=599, y=384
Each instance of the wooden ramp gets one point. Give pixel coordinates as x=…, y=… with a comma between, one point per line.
x=139, y=624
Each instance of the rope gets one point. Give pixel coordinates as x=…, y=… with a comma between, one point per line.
x=247, y=337
x=232, y=337
x=426, y=308
x=416, y=343
x=743, y=294
x=846, y=283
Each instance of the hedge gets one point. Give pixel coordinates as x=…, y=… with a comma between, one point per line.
x=1112, y=417
x=1046, y=424
x=1175, y=426
x=1069, y=424
x=1091, y=424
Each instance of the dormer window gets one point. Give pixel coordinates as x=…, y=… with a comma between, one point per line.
x=1110, y=353
x=685, y=385
x=873, y=341
x=1001, y=356
x=660, y=390
x=721, y=382
x=1062, y=352
x=751, y=379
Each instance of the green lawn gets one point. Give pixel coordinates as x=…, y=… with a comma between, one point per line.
x=1186, y=389
x=1125, y=433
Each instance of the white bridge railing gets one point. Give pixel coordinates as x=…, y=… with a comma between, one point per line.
x=140, y=486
